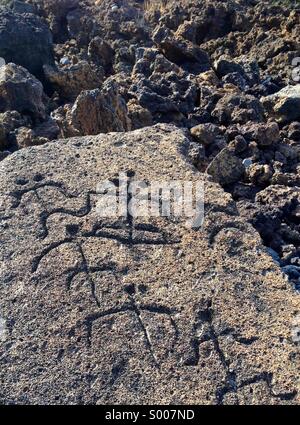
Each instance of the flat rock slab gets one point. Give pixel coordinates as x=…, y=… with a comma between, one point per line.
x=98, y=310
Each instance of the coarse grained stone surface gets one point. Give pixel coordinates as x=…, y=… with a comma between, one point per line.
x=139, y=310
x=25, y=39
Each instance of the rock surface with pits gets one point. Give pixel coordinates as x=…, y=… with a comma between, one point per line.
x=135, y=310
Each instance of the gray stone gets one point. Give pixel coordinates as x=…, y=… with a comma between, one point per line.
x=69, y=81
x=292, y=271
x=20, y=91
x=134, y=310
x=238, y=145
x=238, y=109
x=22, y=7
x=247, y=162
x=264, y=134
x=226, y=167
x=65, y=61
x=284, y=105
x=9, y=121
x=94, y=111
x=206, y=133
x=224, y=66
x=180, y=51
x=26, y=40
x=274, y=255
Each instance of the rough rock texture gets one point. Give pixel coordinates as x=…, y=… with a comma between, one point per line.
x=205, y=133
x=285, y=104
x=181, y=51
x=237, y=108
x=20, y=91
x=97, y=310
x=227, y=72
x=9, y=121
x=275, y=214
x=56, y=11
x=25, y=40
x=226, y=167
x=165, y=89
x=94, y=112
x=72, y=80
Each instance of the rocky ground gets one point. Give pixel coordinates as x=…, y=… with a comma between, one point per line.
x=224, y=72
x=143, y=311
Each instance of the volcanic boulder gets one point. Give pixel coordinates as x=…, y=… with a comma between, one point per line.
x=71, y=80
x=26, y=40
x=121, y=309
x=284, y=105
x=20, y=91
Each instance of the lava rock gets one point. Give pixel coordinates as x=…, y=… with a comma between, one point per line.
x=284, y=105
x=238, y=108
x=94, y=111
x=119, y=301
x=180, y=51
x=236, y=79
x=167, y=91
x=259, y=174
x=47, y=129
x=294, y=131
x=20, y=91
x=101, y=53
x=238, y=145
x=9, y=121
x=22, y=7
x=226, y=167
x=56, y=12
x=139, y=116
x=264, y=134
x=26, y=40
x=224, y=66
x=26, y=137
x=206, y=133
x=70, y=81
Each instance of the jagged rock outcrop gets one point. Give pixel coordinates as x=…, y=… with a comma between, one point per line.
x=71, y=80
x=94, y=111
x=129, y=309
x=22, y=92
x=238, y=108
x=101, y=53
x=285, y=104
x=275, y=214
x=9, y=121
x=162, y=87
x=226, y=167
x=180, y=51
x=56, y=12
x=26, y=40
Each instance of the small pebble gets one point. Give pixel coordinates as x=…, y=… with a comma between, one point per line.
x=65, y=61
x=247, y=162
x=295, y=261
